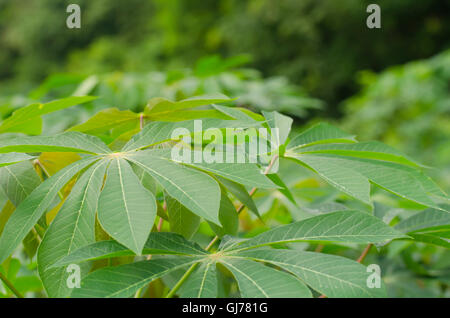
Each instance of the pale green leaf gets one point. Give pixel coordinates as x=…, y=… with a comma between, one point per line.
x=158, y=243
x=65, y=142
x=158, y=107
x=72, y=228
x=280, y=126
x=34, y=206
x=320, y=134
x=425, y=220
x=195, y=190
x=7, y=159
x=23, y=120
x=181, y=220
x=202, y=283
x=228, y=217
x=343, y=226
x=125, y=280
x=126, y=210
x=258, y=281
x=241, y=194
x=331, y=275
x=347, y=180
x=105, y=120
x=18, y=181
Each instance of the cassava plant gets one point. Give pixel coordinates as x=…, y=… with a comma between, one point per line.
x=108, y=197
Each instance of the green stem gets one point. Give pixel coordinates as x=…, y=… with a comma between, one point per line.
x=10, y=286
x=216, y=238
x=182, y=280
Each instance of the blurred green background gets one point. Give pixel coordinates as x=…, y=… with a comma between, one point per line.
x=311, y=59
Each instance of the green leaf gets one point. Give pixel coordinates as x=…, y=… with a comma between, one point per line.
x=369, y=150
x=331, y=275
x=202, y=283
x=105, y=120
x=244, y=173
x=65, y=142
x=343, y=226
x=158, y=132
x=24, y=119
x=320, y=134
x=18, y=181
x=158, y=243
x=280, y=126
x=34, y=206
x=402, y=180
x=241, y=194
x=347, y=180
x=423, y=221
x=181, y=220
x=7, y=159
x=125, y=280
x=195, y=190
x=258, y=281
x=158, y=107
x=228, y=217
x=189, y=115
x=282, y=187
x=126, y=210
x=72, y=228
x=438, y=238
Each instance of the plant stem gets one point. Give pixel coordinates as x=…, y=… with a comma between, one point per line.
x=364, y=253
x=10, y=286
x=141, y=121
x=216, y=238
x=182, y=280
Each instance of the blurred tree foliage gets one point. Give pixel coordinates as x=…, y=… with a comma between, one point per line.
x=318, y=44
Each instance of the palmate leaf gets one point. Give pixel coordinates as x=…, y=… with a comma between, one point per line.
x=351, y=166
x=7, y=159
x=27, y=119
x=34, y=206
x=158, y=243
x=65, y=142
x=331, y=275
x=344, y=226
x=72, y=228
x=126, y=210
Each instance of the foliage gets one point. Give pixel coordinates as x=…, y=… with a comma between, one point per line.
x=407, y=106
x=318, y=44
x=108, y=195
